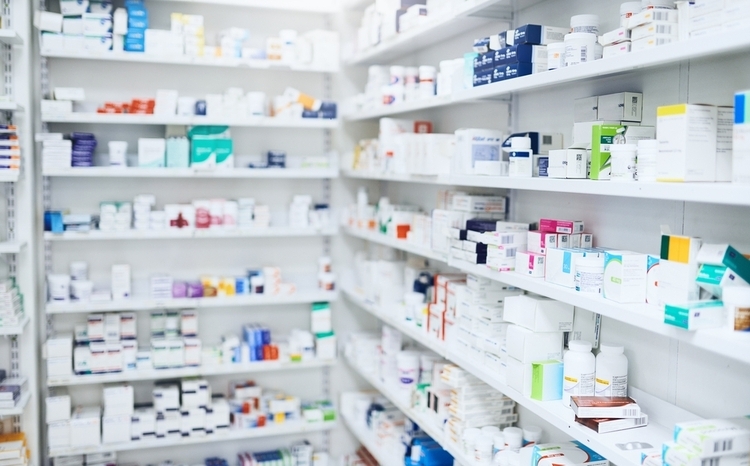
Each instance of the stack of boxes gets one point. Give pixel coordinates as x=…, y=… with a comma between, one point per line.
x=174, y=341
x=142, y=205
x=106, y=343
x=11, y=304
x=115, y=216
x=548, y=247
x=535, y=339
x=299, y=211
x=189, y=30
x=58, y=411
x=514, y=53
x=135, y=39
x=118, y=409
x=706, y=441
x=652, y=28
x=86, y=25
x=56, y=151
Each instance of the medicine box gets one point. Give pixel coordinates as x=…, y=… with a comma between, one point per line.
x=724, y=128
x=695, y=315
x=726, y=255
x=58, y=405
x=519, y=376
x=530, y=264
x=623, y=106
x=560, y=264
x=515, y=70
x=528, y=346
x=678, y=267
x=687, y=142
x=539, y=314
x=682, y=455
x=116, y=428
x=523, y=53
x=733, y=436
x=625, y=276
x=85, y=426
x=602, y=138
x=58, y=434
x=615, y=50
x=537, y=34
x=546, y=380
x=713, y=278
x=151, y=152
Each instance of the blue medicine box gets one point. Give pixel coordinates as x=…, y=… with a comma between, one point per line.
x=482, y=78
x=512, y=70
x=523, y=53
x=484, y=62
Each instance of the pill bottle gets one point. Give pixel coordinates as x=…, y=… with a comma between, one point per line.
x=490, y=431
x=483, y=450
x=513, y=438
x=79, y=270
x=470, y=439
x=427, y=81
x=556, y=55
x=521, y=158
x=657, y=5
x=532, y=435
x=623, y=162
x=579, y=371
x=589, y=275
x=627, y=10
x=737, y=304
x=584, y=23
x=59, y=287
x=498, y=443
x=581, y=47
x=407, y=365
x=80, y=290
x=611, y=371
x=645, y=165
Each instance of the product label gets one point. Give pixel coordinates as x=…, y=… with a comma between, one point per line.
x=583, y=385
x=742, y=319
x=616, y=386
x=484, y=152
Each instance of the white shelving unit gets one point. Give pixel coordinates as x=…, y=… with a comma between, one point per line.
x=709, y=193
x=9, y=176
x=464, y=17
x=423, y=420
x=552, y=411
x=200, y=371
x=9, y=106
x=297, y=6
x=271, y=232
x=366, y=438
x=138, y=304
x=10, y=37
x=287, y=428
x=15, y=330
x=733, y=345
x=137, y=57
x=139, y=172
x=11, y=247
x=19, y=408
x=725, y=43
x=193, y=120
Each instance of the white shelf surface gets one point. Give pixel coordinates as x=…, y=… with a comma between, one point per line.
x=553, y=412
x=271, y=232
x=287, y=428
x=423, y=420
x=366, y=438
x=6, y=105
x=14, y=329
x=403, y=245
x=9, y=176
x=435, y=29
x=406, y=107
x=9, y=36
x=11, y=247
x=138, y=172
x=733, y=345
x=719, y=44
x=149, y=119
x=200, y=371
x=139, y=57
x=711, y=193
x=305, y=6
x=19, y=408
x=137, y=304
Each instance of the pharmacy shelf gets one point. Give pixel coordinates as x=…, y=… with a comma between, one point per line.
x=724, y=43
x=733, y=345
x=366, y=438
x=708, y=193
x=412, y=331
x=148, y=119
x=11, y=247
x=137, y=304
x=8, y=106
x=170, y=233
x=287, y=428
x=554, y=411
x=9, y=36
x=7, y=330
x=137, y=172
x=423, y=419
x=403, y=245
x=302, y=6
x=18, y=409
x=139, y=57
x=461, y=19
x=9, y=176
x=406, y=107
x=200, y=371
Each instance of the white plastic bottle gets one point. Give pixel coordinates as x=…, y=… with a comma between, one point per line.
x=579, y=371
x=611, y=371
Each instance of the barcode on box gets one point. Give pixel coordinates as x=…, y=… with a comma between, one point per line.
x=723, y=445
x=641, y=421
x=631, y=412
x=710, y=462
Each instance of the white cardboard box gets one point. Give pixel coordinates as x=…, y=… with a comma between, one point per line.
x=527, y=346
x=687, y=142
x=539, y=314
